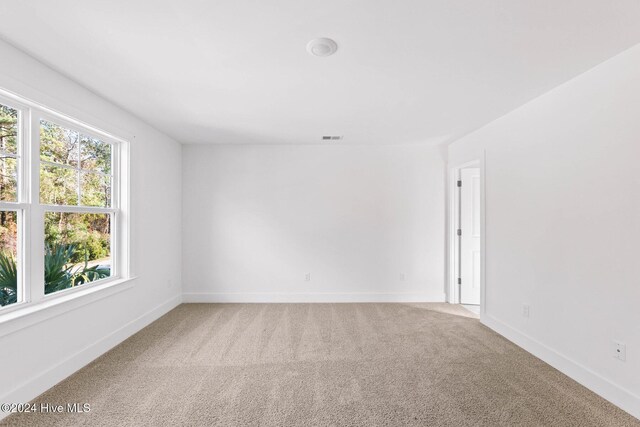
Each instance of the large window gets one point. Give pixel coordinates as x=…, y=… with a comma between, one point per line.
x=59, y=205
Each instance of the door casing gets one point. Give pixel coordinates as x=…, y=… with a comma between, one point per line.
x=453, y=206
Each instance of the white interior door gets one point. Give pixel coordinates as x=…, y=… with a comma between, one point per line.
x=470, y=236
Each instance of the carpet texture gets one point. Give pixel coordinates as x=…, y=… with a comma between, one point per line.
x=322, y=365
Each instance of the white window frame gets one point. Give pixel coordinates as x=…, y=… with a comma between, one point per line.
x=20, y=206
x=31, y=246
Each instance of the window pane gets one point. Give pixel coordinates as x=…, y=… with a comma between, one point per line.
x=8, y=179
x=95, y=155
x=8, y=257
x=58, y=144
x=78, y=249
x=58, y=185
x=8, y=129
x=96, y=189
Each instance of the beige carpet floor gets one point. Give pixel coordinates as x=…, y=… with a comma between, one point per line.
x=322, y=365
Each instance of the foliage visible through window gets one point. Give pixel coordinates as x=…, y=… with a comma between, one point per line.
x=9, y=127
x=8, y=153
x=78, y=249
x=8, y=257
x=75, y=170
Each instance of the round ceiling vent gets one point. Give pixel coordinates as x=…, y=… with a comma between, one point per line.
x=322, y=47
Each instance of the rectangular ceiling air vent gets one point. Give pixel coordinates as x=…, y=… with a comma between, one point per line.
x=331, y=137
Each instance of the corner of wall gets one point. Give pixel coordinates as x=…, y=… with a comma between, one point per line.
x=583, y=375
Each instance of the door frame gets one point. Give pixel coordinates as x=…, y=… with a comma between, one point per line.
x=453, y=195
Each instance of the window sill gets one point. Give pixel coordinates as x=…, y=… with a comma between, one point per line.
x=32, y=314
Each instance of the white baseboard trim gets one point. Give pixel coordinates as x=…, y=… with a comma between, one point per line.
x=270, y=297
x=615, y=394
x=43, y=381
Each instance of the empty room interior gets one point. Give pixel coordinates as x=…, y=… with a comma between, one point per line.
x=338, y=213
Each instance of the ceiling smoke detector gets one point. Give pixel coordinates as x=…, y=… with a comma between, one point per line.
x=322, y=47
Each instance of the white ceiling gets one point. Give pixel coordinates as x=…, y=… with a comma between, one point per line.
x=236, y=71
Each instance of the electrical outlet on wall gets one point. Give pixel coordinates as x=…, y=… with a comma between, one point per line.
x=525, y=310
x=307, y=277
x=402, y=277
x=620, y=351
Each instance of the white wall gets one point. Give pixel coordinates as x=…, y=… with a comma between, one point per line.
x=36, y=357
x=563, y=225
x=257, y=219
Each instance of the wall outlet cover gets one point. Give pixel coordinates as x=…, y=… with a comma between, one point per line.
x=620, y=351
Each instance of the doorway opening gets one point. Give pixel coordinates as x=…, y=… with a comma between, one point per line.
x=466, y=232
